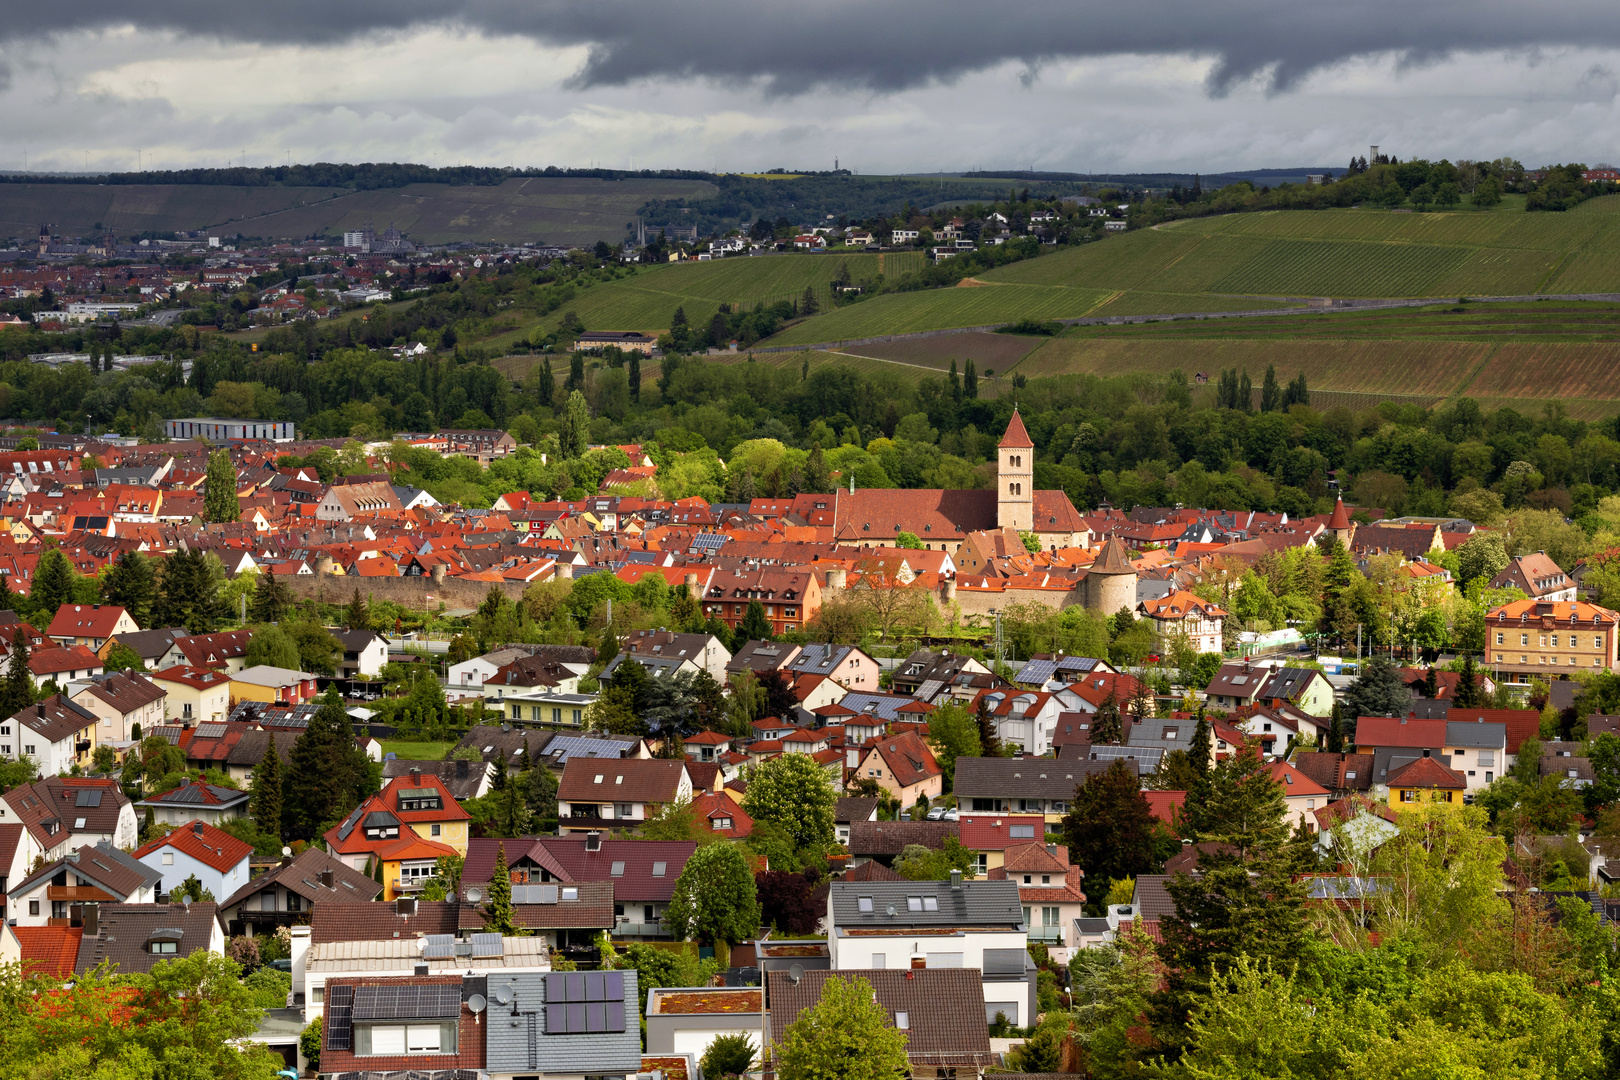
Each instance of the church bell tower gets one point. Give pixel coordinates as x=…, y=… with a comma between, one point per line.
x=1015, y=478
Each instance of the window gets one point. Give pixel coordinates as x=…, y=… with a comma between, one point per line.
x=29, y=750
x=1555, y=641
x=864, y=904
x=1597, y=643
x=659, y=869
x=570, y=892
x=624, y=810
x=1499, y=639
x=168, y=858
x=1408, y=796
x=33, y=907
x=517, y=712
x=922, y=903
x=1026, y=879
x=1049, y=916
x=1524, y=639
x=163, y=948
x=880, y=960
x=1046, y=879
x=1021, y=832
x=902, y=1020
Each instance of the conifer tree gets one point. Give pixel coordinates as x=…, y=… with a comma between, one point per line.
x=1469, y=695
x=1335, y=738
x=8, y=599
x=53, y=581
x=970, y=380
x=328, y=774
x=130, y=583
x=17, y=693
x=1431, y=684
x=272, y=599
x=547, y=389
x=754, y=627
x=635, y=376
x=576, y=426
x=357, y=616
x=499, y=917
x=817, y=480
x=1270, y=392
x=1106, y=727
x=989, y=744
x=267, y=795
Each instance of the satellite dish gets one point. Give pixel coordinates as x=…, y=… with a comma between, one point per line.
x=474, y=895
x=891, y=911
x=503, y=995
x=286, y=850
x=477, y=1004
x=795, y=973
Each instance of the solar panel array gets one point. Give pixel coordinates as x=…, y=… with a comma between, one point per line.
x=88, y=797
x=211, y=731
x=438, y=946
x=407, y=1002
x=340, y=1018
x=1148, y=755
x=708, y=542
x=584, y=1002
x=487, y=945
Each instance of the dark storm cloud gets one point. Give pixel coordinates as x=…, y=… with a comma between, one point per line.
x=889, y=45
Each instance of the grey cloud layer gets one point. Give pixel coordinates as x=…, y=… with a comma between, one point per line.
x=889, y=45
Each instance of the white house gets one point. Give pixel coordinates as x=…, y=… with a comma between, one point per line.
x=122, y=701
x=193, y=801
x=929, y=924
x=218, y=860
x=904, y=236
x=56, y=733
x=364, y=652
x=89, y=875
x=62, y=813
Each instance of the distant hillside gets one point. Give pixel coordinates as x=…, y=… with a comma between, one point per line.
x=555, y=210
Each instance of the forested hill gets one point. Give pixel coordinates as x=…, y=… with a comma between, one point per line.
x=364, y=177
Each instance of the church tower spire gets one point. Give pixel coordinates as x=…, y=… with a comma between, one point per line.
x=1015, y=478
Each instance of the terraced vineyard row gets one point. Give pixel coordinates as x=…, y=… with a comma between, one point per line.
x=938, y=309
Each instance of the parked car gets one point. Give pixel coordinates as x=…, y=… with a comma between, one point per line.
x=950, y=815
x=937, y=813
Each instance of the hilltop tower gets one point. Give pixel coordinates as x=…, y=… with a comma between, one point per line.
x=1111, y=579
x=1015, y=478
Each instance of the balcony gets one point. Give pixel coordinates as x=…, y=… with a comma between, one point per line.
x=640, y=929
x=79, y=894
x=1046, y=935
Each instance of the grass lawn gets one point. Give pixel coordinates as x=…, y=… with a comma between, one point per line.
x=417, y=751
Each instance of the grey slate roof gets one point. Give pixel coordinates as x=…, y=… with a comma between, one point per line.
x=125, y=930
x=974, y=903
x=1024, y=778
x=1484, y=736
x=1289, y=682
x=517, y=1040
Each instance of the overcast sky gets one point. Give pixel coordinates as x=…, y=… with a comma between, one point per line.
x=745, y=85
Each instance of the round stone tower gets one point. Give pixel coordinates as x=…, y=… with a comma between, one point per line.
x=1111, y=580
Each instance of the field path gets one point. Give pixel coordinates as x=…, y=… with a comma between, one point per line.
x=1462, y=388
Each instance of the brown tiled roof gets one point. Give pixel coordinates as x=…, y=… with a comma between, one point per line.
x=208, y=845
x=124, y=931
x=1114, y=558
x=126, y=691
x=908, y=759
x=592, y=911
x=469, y=1058
x=891, y=837
x=117, y=873
x=645, y=780
x=303, y=877
x=870, y=871
x=213, y=650
x=55, y=799
x=379, y=921
x=56, y=718
x=944, y=1007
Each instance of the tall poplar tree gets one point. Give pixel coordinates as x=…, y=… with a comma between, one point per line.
x=17, y=692
x=53, y=581
x=499, y=916
x=219, y=489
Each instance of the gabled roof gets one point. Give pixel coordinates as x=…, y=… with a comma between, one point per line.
x=647, y=868
x=643, y=780
x=302, y=876
x=125, y=931
x=943, y=1007
x=213, y=650
x=971, y=903
x=908, y=758
x=202, y=842
x=126, y=691
x=56, y=718
x=1426, y=772
x=85, y=620
x=117, y=873
x=380, y=921
x=51, y=951
x=1374, y=731
x=60, y=802
x=996, y=832
x=891, y=837
x=197, y=794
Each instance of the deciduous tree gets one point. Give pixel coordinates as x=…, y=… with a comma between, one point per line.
x=219, y=489
x=793, y=792
x=714, y=898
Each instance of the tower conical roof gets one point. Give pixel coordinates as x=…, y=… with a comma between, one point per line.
x=1341, y=516
x=1114, y=558
x=1016, y=435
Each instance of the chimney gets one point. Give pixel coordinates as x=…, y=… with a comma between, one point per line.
x=461, y=768
x=197, y=828
x=956, y=881
x=300, y=954
x=593, y=841
x=91, y=919
x=416, y=773
x=325, y=879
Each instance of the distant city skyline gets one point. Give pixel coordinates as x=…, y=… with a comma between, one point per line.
x=892, y=88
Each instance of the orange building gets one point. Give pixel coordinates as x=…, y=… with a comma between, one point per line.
x=1550, y=638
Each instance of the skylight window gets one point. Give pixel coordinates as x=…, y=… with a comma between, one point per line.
x=864, y=904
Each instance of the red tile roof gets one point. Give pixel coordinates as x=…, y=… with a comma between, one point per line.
x=1165, y=803
x=85, y=620
x=49, y=950
x=1016, y=436
x=203, y=842
x=1426, y=772
x=993, y=832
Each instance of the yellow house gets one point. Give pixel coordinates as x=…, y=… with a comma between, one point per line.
x=196, y=695
x=1425, y=780
x=417, y=809
x=409, y=861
